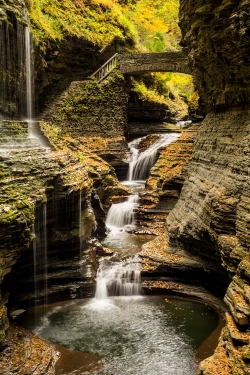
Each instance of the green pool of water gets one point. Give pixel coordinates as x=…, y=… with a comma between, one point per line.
x=139, y=335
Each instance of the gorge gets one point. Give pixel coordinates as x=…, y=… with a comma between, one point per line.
x=109, y=208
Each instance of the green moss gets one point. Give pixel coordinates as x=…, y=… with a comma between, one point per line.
x=110, y=180
x=99, y=21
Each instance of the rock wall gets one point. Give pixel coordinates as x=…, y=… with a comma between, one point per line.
x=48, y=210
x=145, y=110
x=89, y=109
x=211, y=219
x=215, y=36
x=13, y=59
x=61, y=63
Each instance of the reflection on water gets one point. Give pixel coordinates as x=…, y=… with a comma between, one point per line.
x=126, y=244
x=134, y=184
x=139, y=335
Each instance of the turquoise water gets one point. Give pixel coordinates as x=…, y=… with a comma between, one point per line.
x=138, y=335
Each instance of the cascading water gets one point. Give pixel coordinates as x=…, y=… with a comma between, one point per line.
x=17, y=89
x=40, y=261
x=134, y=152
x=118, y=278
x=181, y=124
x=140, y=164
x=122, y=215
x=29, y=79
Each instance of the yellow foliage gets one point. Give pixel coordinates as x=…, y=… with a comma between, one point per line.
x=96, y=20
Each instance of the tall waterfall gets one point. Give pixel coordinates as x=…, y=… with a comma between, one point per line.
x=121, y=215
x=29, y=78
x=140, y=164
x=118, y=279
x=16, y=71
x=40, y=249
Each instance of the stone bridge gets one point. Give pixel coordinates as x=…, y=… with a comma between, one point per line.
x=136, y=63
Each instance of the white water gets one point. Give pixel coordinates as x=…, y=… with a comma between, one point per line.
x=123, y=278
x=40, y=256
x=181, y=124
x=134, y=152
x=29, y=80
x=121, y=215
x=118, y=279
x=140, y=164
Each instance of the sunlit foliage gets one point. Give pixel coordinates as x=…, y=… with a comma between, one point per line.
x=99, y=21
x=157, y=23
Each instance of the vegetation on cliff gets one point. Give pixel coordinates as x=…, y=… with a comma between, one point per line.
x=150, y=23
x=146, y=26
x=169, y=89
x=98, y=21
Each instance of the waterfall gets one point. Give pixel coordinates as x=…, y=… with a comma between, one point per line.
x=29, y=79
x=118, y=279
x=40, y=255
x=16, y=71
x=134, y=152
x=80, y=223
x=140, y=164
x=121, y=215
x=45, y=247
x=181, y=124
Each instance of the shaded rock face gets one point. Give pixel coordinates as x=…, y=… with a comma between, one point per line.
x=145, y=110
x=88, y=109
x=211, y=219
x=215, y=35
x=50, y=205
x=62, y=63
x=213, y=198
x=58, y=264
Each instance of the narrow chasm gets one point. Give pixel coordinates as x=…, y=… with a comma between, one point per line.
x=124, y=181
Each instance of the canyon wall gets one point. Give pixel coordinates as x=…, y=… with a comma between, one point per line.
x=211, y=218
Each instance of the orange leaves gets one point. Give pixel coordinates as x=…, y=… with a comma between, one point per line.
x=173, y=161
x=162, y=285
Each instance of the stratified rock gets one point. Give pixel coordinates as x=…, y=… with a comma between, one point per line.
x=211, y=218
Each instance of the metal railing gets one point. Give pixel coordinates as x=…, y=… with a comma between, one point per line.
x=105, y=69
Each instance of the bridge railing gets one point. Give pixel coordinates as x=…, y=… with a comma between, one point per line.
x=105, y=69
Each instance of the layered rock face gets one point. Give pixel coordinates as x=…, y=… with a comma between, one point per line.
x=216, y=39
x=211, y=218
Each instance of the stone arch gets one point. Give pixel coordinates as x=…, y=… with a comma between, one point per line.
x=137, y=63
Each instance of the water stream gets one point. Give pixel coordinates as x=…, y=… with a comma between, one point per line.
x=118, y=278
x=17, y=89
x=40, y=255
x=121, y=216
x=29, y=78
x=141, y=163
x=137, y=334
